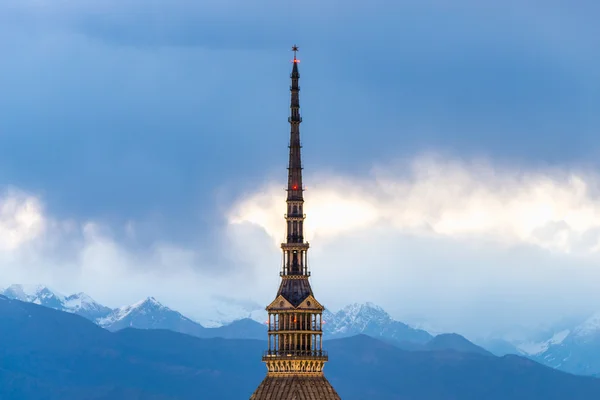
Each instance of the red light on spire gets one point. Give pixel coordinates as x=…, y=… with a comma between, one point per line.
x=295, y=187
x=295, y=50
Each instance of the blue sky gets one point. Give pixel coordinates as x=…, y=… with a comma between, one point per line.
x=137, y=131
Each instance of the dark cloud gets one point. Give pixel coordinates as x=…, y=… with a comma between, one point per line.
x=137, y=109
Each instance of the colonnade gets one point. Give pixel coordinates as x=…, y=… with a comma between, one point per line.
x=298, y=333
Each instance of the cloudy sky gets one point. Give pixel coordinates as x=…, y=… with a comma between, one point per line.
x=451, y=153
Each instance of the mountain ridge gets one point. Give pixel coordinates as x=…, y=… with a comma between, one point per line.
x=573, y=349
x=77, y=359
x=151, y=314
x=354, y=319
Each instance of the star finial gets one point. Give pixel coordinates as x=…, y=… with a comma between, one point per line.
x=295, y=50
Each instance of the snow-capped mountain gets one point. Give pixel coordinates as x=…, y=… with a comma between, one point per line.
x=570, y=346
x=578, y=351
x=149, y=314
x=37, y=294
x=588, y=330
x=229, y=318
x=372, y=320
x=536, y=348
x=79, y=303
x=530, y=340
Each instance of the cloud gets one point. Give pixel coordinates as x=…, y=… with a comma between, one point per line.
x=21, y=219
x=140, y=101
x=433, y=196
x=92, y=256
x=469, y=246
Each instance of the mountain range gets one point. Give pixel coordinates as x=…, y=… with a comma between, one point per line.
x=80, y=303
x=573, y=349
x=50, y=354
x=150, y=314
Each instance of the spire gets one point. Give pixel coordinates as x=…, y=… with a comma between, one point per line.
x=295, y=357
x=295, y=163
x=295, y=249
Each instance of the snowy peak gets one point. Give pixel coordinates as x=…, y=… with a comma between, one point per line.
x=142, y=307
x=147, y=305
x=575, y=349
x=84, y=305
x=357, y=312
x=149, y=314
x=38, y=294
x=80, y=300
x=535, y=348
x=80, y=303
x=589, y=329
x=372, y=320
x=355, y=318
x=357, y=309
x=22, y=292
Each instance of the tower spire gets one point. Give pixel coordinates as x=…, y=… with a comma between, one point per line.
x=295, y=357
x=295, y=249
x=295, y=163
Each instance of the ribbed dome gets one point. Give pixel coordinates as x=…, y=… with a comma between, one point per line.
x=295, y=388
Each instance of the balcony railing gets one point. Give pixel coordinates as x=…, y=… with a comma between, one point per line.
x=313, y=354
x=302, y=275
x=309, y=330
